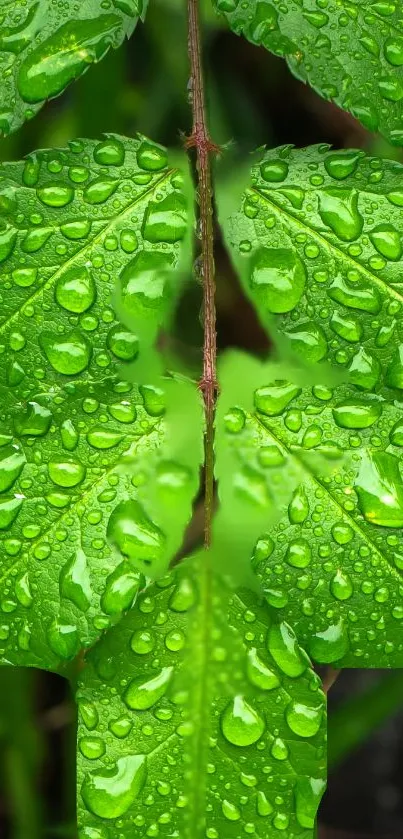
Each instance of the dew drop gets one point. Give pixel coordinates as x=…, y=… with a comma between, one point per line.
x=109, y=792
x=241, y=725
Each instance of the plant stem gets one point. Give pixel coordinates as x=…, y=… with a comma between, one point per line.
x=200, y=140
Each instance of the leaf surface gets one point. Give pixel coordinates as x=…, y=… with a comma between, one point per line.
x=351, y=54
x=217, y=727
x=80, y=456
x=320, y=255
x=45, y=46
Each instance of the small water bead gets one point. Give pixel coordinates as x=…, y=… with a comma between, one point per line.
x=69, y=354
x=241, y=725
x=75, y=230
x=75, y=290
x=298, y=508
x=110, y=152
x=273, y=399
x=341, y=586
x=259, y=674
x=91, y=747
x=121, y=727
x=88, y=714
x=110, y=792
x=277, y=278
x=354, y=413
x=303, y=719
x=379, y=488
x=175, y=640
x=183, y=596
x=151, y=157
x=142, y=694
x=123, y=344
x=24, y=277
x=279, y=749
x=142, y=642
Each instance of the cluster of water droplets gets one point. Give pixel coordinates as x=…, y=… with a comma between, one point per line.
x=72, y=223
x=139, y=715
x=352, y=54
x=46, y=45
x=335, y=551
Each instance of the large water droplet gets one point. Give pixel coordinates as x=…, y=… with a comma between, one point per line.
x=9, y=509
x=12, y=460
x=353, y=413
x=278, y=278
x=110, y=152
x=308, y=340
x=143, y=282
x=75, y=581
x=379, y=488
x=66, y=473
x=54, y=63
x=166, y=220
x=394, y=373
x=63, y=639
x=341, y=585
x=387, y=242
x=69, y=354
x=338, y=209
x=141, y=695
x=133, y=533
x=34, y=422
x=298, y=508
x=241, y=725
x=259, y=673
x=273, y=399
x=121, y=587
x=308, y=792
x=283, y=646
x=75, y=290
x=109, y=792
x=330, y=645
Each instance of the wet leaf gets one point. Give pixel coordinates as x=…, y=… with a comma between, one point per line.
x=351, y=55
x=319, y=251
x=44, y=47
x=218, y=725
x=85, y=459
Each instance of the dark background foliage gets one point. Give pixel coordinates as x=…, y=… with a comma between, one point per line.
x=253, y=100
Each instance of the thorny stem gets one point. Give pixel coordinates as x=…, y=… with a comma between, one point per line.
x=200, y=141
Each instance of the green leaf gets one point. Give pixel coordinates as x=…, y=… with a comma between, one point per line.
x=320, y=254
x=217, y=726
x=82, y=469
x=352, y=56
x=44, y=47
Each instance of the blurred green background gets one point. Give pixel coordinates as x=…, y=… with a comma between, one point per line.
x=253, y=100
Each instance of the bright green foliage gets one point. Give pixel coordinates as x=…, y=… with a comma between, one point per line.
x=199, y=716
x=45, y=46
x=351, y=54
x=75, y=533
x=319, y=234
